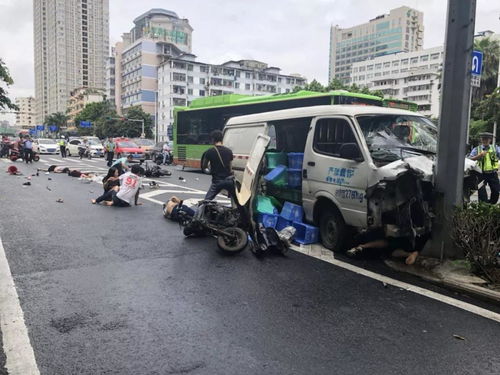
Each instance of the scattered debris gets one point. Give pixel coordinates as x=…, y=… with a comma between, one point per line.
x=60, y=200
x=459, y=337
x=181, y=178
x=384, y=284
x=197, y=179
x=47, y=173
x=49, y=179
x=91, y=191
x=27, y=183
x=49, y=189
x=33, y=175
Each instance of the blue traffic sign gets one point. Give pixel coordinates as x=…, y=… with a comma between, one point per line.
x=40, y=127
x=53, y=128
x=477, y=62
x=32, y=131
x=85, y=124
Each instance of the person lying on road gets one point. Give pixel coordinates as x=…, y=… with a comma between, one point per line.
x=54, y=169
x=174, y=207
x=396, y=247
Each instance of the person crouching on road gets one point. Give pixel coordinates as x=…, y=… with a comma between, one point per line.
x=487, y=156
x=123, y=164
x=111, y=180
x=128, y=192
x=220, y=159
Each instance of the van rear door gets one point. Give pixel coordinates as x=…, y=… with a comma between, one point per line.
x=335, y=168
x=240, y=139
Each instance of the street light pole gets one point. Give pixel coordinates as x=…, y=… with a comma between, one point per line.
x=455, y=96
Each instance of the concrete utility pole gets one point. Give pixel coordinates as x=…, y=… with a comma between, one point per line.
x=455, y=96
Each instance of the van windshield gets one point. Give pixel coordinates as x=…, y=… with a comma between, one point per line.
x=393, y=137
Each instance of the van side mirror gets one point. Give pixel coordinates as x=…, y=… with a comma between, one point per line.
x=351, y=151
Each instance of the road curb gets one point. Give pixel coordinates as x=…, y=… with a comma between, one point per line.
x=452, y=283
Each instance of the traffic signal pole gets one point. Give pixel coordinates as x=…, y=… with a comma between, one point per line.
x=452, y=139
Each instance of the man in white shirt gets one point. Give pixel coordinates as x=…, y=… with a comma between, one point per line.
x=130, y=184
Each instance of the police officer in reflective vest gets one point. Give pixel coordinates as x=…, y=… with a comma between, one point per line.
x=62, y=146
x=487, y=156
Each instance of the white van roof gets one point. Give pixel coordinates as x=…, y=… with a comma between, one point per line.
x=320, y=110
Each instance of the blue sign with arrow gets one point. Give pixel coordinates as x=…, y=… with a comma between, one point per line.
x=477, y=62
x=40, y=127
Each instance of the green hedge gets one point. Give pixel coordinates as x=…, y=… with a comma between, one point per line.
x=476, y=231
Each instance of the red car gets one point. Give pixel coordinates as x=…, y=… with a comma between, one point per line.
x=125, y=146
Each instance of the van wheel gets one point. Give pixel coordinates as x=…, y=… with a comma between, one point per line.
x=205, y=166
x=332, y=229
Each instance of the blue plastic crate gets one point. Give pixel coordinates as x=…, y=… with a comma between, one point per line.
x=295, y=160
x=268, y=220
x=278, y=176
x=305, y=234
x=292, y=212
x=294, y=178
x=283, y=223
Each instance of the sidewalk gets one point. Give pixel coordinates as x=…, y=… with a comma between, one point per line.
x=452, y=274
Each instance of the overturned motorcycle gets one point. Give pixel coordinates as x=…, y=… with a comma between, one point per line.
x=213, y=219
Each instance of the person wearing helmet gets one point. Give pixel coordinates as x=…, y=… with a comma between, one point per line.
x=487, y=156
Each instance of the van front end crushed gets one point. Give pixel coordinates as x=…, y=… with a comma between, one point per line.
x=401, y=196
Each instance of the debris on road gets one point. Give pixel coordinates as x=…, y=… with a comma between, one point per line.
x=459, y=337
x=49, y=179
x=12, y=170
x=27, y=183
x=60, y=200
x=49, y=189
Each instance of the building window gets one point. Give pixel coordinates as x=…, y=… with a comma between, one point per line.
x=190, y=91
x=369, y=67
x=247, y=86
x=424, y=58
x=202, y=92
x=378, y=66
x=202, y=81
x=435, y=56
x=414, y=60
x=387, y=64
x=395, y=63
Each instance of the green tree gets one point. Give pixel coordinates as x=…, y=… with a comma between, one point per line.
x=485, y=113
x=58, y=118
x=5, y=78
x=133, y=129
x=491, y=53
x=98, y=114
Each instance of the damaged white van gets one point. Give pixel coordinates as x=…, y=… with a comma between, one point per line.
x=363, y=167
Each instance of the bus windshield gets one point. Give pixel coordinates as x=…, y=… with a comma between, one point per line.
x=393, y=137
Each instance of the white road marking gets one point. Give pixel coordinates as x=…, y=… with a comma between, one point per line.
x=318, y=252
x=20, y=358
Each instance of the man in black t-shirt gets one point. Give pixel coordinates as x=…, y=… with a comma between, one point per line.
x=220, y=158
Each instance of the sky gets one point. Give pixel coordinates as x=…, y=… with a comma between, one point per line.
x=290, y=34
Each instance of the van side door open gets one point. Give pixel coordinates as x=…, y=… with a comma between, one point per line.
x=336, y=169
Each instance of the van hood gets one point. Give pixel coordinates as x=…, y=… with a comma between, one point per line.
x=422, y=166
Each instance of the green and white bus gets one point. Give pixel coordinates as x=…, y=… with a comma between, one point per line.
x=400, y=104
x=193, y=124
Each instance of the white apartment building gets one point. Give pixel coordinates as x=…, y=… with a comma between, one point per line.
x=401, y=30
x=110, y=77
x=71, y=40
x=156, y=35
x=182, y=79
x=412, y=76
x=25, y=117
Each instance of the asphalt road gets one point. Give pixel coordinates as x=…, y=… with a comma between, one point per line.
x=121, y=291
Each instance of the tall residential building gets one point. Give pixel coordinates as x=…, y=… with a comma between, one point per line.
x=25, y=117
x=182, y=79
x=110, y=77
x=412, y=76
x=402, y=30
x=156, y=35
x=71, y=46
